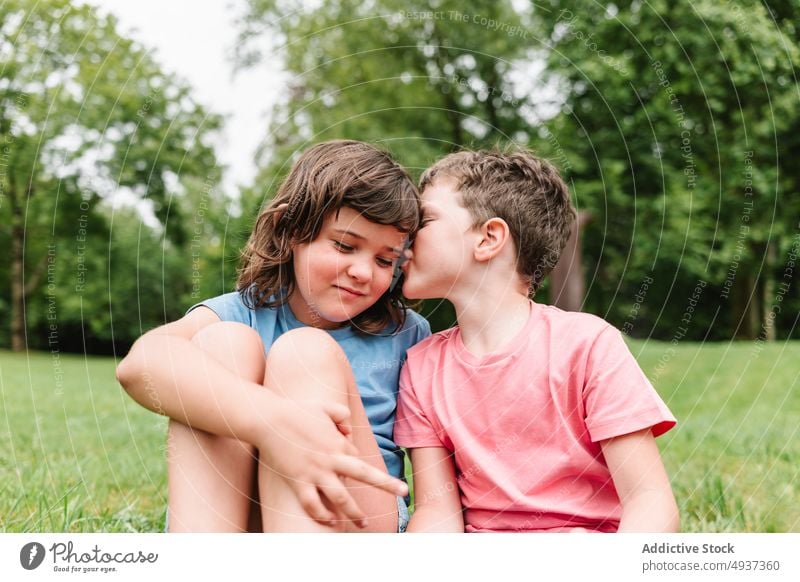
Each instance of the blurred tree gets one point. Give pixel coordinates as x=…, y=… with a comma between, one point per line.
x=84, y=114
x=670, y=117
x=663, y=116
x=421, y=79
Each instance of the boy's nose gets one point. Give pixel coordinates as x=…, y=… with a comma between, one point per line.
x=408, y=256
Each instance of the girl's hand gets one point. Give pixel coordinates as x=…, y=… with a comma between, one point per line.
x=315, y=454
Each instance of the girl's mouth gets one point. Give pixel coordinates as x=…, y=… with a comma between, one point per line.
x=349, y=292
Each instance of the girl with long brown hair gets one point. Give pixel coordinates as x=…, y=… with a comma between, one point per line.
x=284, y=391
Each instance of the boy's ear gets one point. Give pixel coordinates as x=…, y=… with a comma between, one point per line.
x=495, y=234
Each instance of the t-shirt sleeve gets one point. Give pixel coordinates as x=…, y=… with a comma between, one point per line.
x=228, y=307
x=417, y=327
x=423, y=328
x=618, y=397
x=412, y=428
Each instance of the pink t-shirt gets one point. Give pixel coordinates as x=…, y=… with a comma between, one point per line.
x=525, y=422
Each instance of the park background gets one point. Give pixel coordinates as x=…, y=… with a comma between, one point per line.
x=676, y=126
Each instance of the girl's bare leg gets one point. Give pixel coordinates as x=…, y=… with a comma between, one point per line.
x=307, y=364
x=211, y=478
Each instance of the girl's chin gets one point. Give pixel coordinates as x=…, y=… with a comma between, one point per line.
x=331, y=322
x=338, y=317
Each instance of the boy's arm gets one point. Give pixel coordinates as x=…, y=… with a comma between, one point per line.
x=648, y=504
x=437, y=501
x=167, y=373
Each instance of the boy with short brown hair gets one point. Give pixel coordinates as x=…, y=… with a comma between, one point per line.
x=528, y=417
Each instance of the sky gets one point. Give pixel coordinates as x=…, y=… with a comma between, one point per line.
x=195, y=40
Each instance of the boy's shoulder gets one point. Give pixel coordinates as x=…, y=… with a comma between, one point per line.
x=577, y=324
x=574, y=330
x=582, y=336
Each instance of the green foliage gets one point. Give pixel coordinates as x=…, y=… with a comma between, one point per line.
x=670, y=117
x=87, y=119
x=420, y=78
x=83, y=109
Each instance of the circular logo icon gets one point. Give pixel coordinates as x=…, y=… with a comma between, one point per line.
x=31, y=555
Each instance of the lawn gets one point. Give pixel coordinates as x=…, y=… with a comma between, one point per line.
x=734, y=459
x=76, y=454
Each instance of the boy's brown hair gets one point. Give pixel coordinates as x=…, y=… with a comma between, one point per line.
x=522, y=189
x=325, y=178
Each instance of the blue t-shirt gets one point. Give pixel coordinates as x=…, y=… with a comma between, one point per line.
x=375, y=359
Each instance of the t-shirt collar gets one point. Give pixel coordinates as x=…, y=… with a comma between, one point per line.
x=289, y=321
x=512, y=347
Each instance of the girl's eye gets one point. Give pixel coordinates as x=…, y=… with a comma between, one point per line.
x=426, y=220
x=343, y=247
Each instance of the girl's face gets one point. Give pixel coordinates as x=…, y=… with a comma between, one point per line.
x=345, y=270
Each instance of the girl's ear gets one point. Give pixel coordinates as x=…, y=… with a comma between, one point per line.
x=495, y=234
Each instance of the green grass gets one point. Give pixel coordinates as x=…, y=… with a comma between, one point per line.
x=76, y=454
x=734, y=458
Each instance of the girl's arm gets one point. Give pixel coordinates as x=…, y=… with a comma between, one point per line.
x=648, y=504
x=437, y=501
x=166, y=373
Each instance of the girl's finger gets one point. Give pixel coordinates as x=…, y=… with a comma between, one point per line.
x=340, y=415
x=359, y=470
x=339, y=497
x=310, y=501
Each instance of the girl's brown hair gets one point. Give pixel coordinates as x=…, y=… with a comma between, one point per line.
x=325, y=178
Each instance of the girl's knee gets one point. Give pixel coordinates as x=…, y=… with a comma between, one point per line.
x=309, y=348
x=307, y=362
x=235, y=345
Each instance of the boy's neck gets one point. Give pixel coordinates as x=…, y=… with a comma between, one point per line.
x=490, y=316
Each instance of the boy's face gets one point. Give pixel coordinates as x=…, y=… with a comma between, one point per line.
x=442, y=251
x=345, y=270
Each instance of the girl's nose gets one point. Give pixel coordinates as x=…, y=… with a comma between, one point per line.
x=360, y=271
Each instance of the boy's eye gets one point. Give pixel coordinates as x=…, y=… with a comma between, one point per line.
x=385, y=262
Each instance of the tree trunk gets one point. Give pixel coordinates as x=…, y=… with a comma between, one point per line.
x=769, y=298
x=746, y=317
x=567, y=284
x=17, y=282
